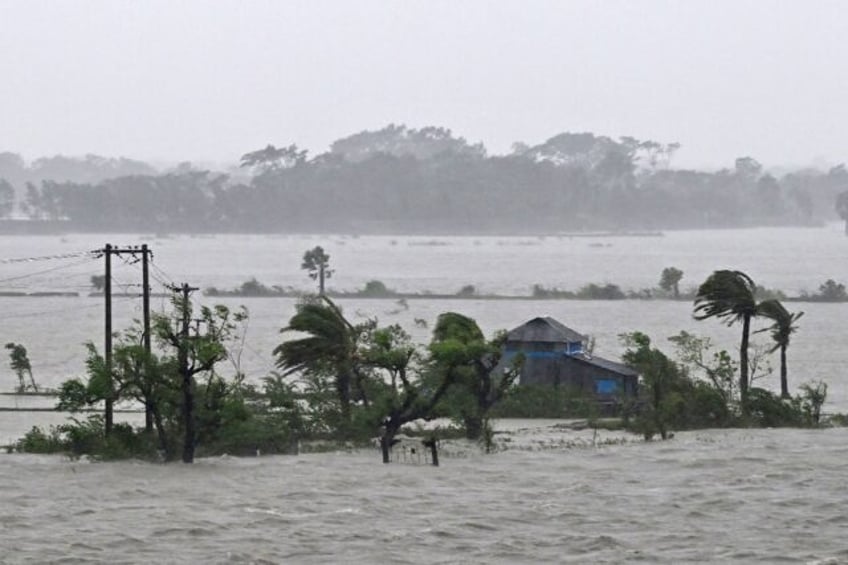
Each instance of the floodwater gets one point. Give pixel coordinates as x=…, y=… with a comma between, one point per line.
x=729, y=496
x=717, y=496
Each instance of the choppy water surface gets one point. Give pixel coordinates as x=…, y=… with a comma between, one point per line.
x=741, y=496
x=720, y=496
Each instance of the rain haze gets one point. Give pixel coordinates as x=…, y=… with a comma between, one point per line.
x=433, y=281
x=207, y=81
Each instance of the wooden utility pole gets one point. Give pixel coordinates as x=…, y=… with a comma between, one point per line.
x=145, y=300
x=187, y=375
x=107, y=346
x=107, y=251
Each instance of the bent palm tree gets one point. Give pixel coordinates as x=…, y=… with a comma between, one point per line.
x=781, y=330
x=330, y=347
x=730, y=297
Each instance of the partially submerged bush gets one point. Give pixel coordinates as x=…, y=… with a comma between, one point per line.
x=375, y=288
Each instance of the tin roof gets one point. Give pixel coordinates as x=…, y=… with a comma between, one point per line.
x=605, y=364
x=545, y=330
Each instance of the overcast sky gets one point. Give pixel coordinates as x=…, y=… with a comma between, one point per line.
x=209, y=80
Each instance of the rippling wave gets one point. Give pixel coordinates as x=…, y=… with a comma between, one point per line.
x=718, y=496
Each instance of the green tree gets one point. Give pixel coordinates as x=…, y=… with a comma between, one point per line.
x=782, y=328
x=463, y=355
x=19, y=362
x=196, y=354
x=660, y=376
x=718, y=367
x=406, y=396
x=730, y=297
x=317, y=263
x=330, y=348
x=831, y=291
x=670, y=280
x=813, y=397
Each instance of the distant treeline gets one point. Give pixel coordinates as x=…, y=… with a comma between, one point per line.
x=405, y=180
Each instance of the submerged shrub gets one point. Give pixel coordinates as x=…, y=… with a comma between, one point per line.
x=767, y=409
x=39, y=441
x=594, y=291
x=377, y=289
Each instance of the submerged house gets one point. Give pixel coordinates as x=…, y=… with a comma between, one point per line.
x=555, y=355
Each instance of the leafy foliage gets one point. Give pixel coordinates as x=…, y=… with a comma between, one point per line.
x=670, y=280
x=317, y=263
x=20, y=364
x=405, y=179
x=460, y=353
x=730, y=297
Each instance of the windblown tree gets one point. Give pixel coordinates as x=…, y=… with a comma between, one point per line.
x=166, y=384
x=462, y=354
x=330, y=348
x=405, y=396
x=717, y=367
x=730, y=297
x=19, y=362
x=196, y=355
x=670, y=280
x=660, y=378
x=271, y=158
x=782, y=328
x=317, y=263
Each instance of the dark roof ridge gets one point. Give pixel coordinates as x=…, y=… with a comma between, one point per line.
x=604, y=363
x=556, y=331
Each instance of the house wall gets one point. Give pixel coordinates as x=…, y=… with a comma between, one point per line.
x=547, y=364
x=591, y=379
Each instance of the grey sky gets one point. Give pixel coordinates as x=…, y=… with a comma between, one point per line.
x=209, y=80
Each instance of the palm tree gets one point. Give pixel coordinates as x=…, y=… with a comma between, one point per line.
x=781, y=330
x=317, y=263
x=730, y=297
x=331, y=346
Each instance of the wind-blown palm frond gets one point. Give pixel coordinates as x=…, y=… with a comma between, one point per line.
x=726, y=295
x=783, y=322
x=782, y=328
x=730, y=297
x=330, y=339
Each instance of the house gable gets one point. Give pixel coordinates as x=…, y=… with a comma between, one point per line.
x=554, y=356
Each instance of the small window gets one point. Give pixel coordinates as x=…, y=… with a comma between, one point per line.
x=607, y=386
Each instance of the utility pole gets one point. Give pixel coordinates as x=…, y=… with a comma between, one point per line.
x=107, y=252
x=145, y=286
x=107, y=346
x=186, y=373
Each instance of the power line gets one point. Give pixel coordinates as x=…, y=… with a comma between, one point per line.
x=47, y=257
x=61, y=310
x=19, y=277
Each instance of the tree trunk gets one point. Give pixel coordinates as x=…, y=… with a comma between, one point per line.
x=473, y=426
x=743, y=363
x=343, y=393
x=385, y=447
x=188, y=418
x=784, y=381
x=321, y=280
x=164, y=444
x=390, y=430
x=433, y=444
